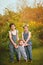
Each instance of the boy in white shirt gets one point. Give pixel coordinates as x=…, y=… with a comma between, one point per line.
x=13, y=37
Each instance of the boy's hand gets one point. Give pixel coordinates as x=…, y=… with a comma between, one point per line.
x=27, y=44
x=16, y=46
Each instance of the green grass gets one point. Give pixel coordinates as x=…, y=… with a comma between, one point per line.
x=37, y=57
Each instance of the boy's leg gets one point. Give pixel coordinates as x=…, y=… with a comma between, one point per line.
x=11, y=49
x=24, y=53
x=16, y=53
x=19, y=55
x=30, y=52
x=27, y=52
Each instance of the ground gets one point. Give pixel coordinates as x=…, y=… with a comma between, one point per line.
x=37, y=54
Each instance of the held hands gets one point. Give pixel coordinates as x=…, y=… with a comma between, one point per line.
x=15, y=45
x=26, y=44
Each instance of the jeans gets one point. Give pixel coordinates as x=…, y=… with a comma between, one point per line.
x=28, y=50
x=22, y=52
x=12, y=52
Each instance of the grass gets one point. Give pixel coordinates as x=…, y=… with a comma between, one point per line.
x=36, y=52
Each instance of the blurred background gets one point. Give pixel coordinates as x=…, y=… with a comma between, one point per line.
x=22, y=12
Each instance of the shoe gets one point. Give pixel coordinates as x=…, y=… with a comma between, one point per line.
x=25, y=60
x=30, y=61
x=19, y=61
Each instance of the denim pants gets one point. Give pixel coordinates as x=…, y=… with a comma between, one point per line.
x=21, y=52
x=12, y=49
x=28, y=50
x=12, y=52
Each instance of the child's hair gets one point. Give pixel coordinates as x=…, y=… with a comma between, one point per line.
x=25, y=25
x=20, y=40
x=11, y=25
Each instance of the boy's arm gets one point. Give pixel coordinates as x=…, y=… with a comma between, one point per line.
x=23, y=38
x=17, y=36
x=25, y=44
x=28, y=37
x=16, y=46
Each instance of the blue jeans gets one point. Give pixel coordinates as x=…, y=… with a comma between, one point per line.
x=22, y=52
x=12, y=52
x=28, y=50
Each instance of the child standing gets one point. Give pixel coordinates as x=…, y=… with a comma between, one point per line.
x=13, y=36
x=26, y=36
x=22, y=50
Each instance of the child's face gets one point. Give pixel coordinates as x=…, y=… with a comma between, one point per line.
x=12, y=27
x=21, y=42
x=26, y=28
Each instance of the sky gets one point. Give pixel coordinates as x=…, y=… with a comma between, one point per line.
x=12, y=4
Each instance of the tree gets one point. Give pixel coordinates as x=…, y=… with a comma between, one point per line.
x=21, y=4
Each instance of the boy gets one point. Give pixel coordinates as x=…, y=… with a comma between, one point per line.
x=26, y=37
x=13, y=37
x=21, y=49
